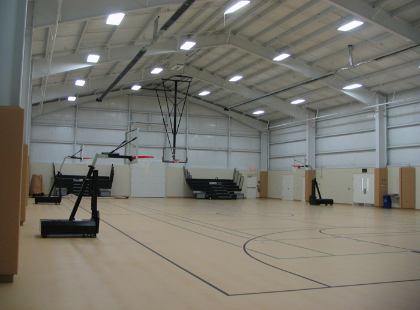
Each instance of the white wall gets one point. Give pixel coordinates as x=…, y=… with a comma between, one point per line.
x=404, y=134
x=213, y=139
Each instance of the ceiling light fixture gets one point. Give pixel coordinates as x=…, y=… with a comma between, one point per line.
x=187, y=45
x=236, y=6
x=92, y=58
x=235, y=78
x=258, y=112
x=115, y=19
x=298, y=101
x=204, y=93
x=71, y=98
x=156, y=71
x=351, y=25
x=80, y=82
x=135, y=87
x=353, y=86
x=281, y=57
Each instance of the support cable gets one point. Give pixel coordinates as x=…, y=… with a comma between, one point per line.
x=184, y=7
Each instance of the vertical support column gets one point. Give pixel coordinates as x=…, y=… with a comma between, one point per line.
x=26, y=90
x=12, y=38
x=310, y=140
x=381, y=137
x=228, y=142
x=175, y=130
x=76, y=115
x=264, y=151
x=187, y=145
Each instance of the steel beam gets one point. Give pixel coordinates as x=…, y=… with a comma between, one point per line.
x=75, y=10
x=237, y=88
x=367, y=13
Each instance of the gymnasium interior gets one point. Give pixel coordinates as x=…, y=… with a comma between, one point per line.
x=210, y=154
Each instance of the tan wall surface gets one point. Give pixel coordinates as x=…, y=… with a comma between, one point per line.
x=175, y=183
x=336, y=184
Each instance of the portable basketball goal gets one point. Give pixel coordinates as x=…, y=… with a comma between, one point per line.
x=172, y=97
x=299, y=162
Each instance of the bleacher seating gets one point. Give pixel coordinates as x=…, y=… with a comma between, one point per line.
x=73, y=183
x=216, y=188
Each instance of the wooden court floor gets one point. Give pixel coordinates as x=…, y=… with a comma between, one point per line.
x=178, y=253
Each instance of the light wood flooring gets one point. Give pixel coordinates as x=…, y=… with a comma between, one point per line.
x=156, y=253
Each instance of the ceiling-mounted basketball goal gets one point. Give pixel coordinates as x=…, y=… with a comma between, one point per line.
x=172, y=97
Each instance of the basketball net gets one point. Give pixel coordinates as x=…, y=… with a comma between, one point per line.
x=295, y=167
x=145, y=163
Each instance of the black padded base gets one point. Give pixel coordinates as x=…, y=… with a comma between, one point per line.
x=66, y=227
x=48, y=199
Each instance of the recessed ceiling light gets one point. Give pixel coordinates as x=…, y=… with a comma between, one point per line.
x=187, y=45
x=351, y=25
x=156, y=71
x=115, y=19
x=204, y=93
x=353, y=86
x=298, y=101
x=93, y=58
x=258, y=112
x=281, y=57
x=80, y=82
x=135, y=87
x=236, y=6
x=235, y=78
x=71, y=98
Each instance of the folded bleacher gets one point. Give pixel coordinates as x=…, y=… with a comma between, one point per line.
x=216, y=188
x=72, y=184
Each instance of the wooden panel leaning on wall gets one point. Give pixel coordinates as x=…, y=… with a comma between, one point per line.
x=11, y=146
x=25, y=184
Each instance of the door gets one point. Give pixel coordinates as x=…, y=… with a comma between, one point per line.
x=363, y=188
x=251, y=186
x=303, y=189
x=287, y=187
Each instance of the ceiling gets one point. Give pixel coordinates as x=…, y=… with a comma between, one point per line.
x=385, y=52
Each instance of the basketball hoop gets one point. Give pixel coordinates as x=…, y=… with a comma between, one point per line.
x=145, y=163
x=295, y=167
x=176, y=161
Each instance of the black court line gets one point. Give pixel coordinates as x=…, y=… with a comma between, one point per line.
x=255, y=251
x=211, y=228
x=181, y=218
x=206, y=225
x=253, y=293
x=275, y=267
x=274, y=218
x=323, y=288
x=167, y=259
x=354, y=239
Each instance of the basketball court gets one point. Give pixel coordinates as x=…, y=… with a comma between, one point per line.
x=162, y=253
